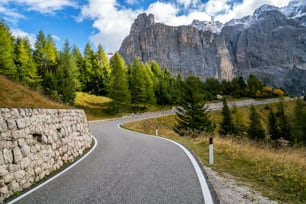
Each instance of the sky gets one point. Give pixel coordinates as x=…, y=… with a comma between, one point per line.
x=108, y=22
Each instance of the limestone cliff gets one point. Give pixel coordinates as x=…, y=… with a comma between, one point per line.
x=270, y=44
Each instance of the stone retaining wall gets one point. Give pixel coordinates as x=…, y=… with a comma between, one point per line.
x=35, y=142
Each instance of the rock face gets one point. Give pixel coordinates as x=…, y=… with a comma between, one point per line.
x=36, y=142
x=270, y=44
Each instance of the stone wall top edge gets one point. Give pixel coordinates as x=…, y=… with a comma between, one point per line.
x=68, y=109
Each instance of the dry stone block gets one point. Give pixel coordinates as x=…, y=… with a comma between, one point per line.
x=4, y=190
x=3, y=125
x=3, y=171
x=11, y=124
x=8, y=178
x=17, y=155
x=21, y=123
x=8, y=156
x=14, y=186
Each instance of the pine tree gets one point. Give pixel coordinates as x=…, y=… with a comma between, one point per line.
x=284, y=129
x=67, y=75
x=87, y=70
x=27, y=70
x=255, y=129
x=227, y=126
x=192, y=114
x=7, y=66
x=119, y=87
x=273, y=127
x=299, y=124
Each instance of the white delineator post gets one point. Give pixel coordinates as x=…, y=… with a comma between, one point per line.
x=156, y=131
x=211, y=151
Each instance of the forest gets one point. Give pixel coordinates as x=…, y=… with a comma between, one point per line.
x=59, y=74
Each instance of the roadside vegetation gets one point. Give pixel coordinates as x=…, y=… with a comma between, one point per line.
x=277, y=171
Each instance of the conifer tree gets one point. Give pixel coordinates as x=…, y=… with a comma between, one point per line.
x=299, y=124
x=27, y=70
x=45, y=57
x=227, y=126
x=137, y=82
x=102, y=72
x=67, y=74
x=284, y=129
x=87, y=69
x=273, y=127
x=150, y=96
x=255, y=129
x=7, y=66
x=79, y=63
x=238, y=120
x=119, y=87
x=192, y=113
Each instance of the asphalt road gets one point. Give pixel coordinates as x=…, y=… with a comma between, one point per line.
x=125, y=167
x=129, y=167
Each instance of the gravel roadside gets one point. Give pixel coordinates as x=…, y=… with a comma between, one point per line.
x=230, y=191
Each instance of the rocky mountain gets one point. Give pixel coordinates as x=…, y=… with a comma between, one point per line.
x=271, y=44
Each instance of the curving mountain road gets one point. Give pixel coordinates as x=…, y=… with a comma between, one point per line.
x=125, y=167
x=129, y=167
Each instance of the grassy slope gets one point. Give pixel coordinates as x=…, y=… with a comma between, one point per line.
x=278, y=174
x=13, y=95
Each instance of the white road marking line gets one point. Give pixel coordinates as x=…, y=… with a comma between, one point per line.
x=204, y=186
x=56, y=175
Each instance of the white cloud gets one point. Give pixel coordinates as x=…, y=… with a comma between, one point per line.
x=10, y=15
x=46, y=6
x=21, y=34
x=247, y=8
x=131, y=2
x=114, y=24
x=214, y=7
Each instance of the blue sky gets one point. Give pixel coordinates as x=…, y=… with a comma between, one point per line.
x=107, y=22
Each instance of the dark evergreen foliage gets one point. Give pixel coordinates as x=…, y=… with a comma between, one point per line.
x=255, y=129
x=284, y=129
x=273, y=127
x=192, y=114
x=227, y=125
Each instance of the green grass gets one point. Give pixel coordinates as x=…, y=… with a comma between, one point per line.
x=279, y=174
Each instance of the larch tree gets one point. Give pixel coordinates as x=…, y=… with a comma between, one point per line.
x=27, y=69
x=67, y=74
x=7, y=65
x=137, y=82
x=119, y=85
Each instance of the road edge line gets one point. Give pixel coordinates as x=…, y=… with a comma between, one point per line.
x=56, y=175
x=201, y=177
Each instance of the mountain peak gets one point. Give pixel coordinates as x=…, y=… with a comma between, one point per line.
x=141, y=22
x=213, y=26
